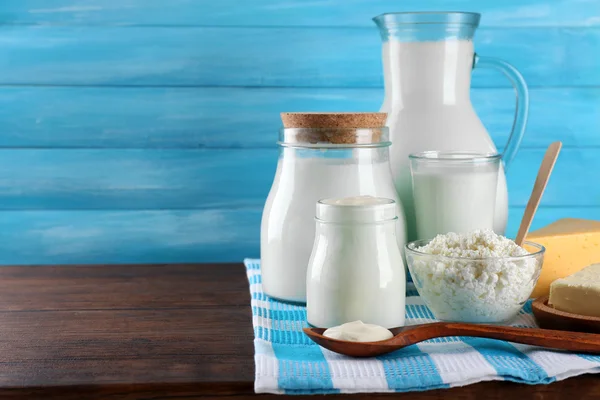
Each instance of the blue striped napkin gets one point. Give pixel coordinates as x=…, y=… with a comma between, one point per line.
x=288, y=362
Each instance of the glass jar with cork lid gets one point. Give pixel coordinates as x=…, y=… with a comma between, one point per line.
x=322, y=155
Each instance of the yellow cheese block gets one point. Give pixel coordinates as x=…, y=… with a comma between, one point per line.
x=571, y=245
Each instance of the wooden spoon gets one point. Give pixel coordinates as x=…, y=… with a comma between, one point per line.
x=538, y=190
x=408, y=335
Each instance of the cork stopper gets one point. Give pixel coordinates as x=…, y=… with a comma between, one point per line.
x=334, y=128
x=333, y=120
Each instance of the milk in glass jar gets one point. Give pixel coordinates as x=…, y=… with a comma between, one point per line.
x=322, y=155
x=356, y=272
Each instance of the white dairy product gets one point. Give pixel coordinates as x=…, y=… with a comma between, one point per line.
x=475, y=277
x=356, y=271
x=288, y=225
x=578, y=293
x=427, y=97
x=449, y=201
x=358, y=331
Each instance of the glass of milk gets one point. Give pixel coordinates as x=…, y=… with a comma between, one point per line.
x=454, y=191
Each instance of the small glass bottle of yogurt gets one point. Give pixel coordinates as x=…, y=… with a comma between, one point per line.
x=322, y=155
x=356, y=270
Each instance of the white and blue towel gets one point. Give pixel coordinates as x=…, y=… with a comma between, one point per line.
x=288, y=362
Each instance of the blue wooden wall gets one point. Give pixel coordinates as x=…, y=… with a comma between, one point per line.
x=144, y=130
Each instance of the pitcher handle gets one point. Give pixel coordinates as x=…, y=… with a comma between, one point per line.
x=522, y=109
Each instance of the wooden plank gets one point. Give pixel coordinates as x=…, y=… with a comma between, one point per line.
x=149, y=117
x=278, y=13
x=570, y=181
x=207, y=370
x=113, y=237
x=77, y=179
x=116, y=334
x=329, y=57
x=109, y=287
x=134, y=179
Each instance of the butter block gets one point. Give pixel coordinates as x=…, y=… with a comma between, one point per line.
x=578, y=293
x=571, y=245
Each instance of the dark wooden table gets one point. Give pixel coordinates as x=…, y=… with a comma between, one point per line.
x=157, y=332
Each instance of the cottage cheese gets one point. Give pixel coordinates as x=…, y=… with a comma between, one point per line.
x=473, y=279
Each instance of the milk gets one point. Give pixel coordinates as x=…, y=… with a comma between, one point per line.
x=427, y=97
x=356, y=271
x=288, y=224
x=450, y=201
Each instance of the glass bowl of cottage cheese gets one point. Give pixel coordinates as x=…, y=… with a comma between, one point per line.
x=479, y=277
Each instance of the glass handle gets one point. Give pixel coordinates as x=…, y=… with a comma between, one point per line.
x=522, y=110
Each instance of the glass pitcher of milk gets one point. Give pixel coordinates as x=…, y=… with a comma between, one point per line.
x=427, y=61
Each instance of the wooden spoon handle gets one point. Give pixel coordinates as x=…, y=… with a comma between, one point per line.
x=564, y=340
x=538, y=190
